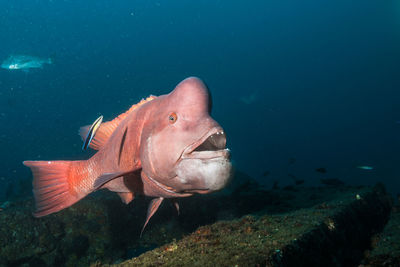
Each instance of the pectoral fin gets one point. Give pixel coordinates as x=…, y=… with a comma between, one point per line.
x=105, y=178
x=121, y=146
x=153, y=207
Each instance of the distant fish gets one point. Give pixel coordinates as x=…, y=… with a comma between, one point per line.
x=92, y=132
x=275, y=185
x=290, y=188
x=296, y=181
x=24, y=62
x=266, y=173
x=292, y=161
x=250, y=99
x=11, y=101
x=321, y=170
x=332, y=182
x=5, y=205
x=368, y=168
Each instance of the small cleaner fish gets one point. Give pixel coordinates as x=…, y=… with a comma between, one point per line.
x=92, y=132
x=163, y=147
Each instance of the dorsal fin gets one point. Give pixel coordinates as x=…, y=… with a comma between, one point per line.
x=107, y=128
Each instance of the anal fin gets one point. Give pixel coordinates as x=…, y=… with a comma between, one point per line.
x=126, y=197
x=176, y=205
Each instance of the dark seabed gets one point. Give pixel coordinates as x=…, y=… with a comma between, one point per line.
x=307, y=92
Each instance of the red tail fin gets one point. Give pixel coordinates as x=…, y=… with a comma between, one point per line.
x=52, y=186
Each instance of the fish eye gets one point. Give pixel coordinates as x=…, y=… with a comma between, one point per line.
x=172, y=118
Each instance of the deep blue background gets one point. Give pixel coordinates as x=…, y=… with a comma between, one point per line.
x=323, y=79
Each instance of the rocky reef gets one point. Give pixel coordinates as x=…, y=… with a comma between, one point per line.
x=331, y=233
x=385, y=246
x=244, y=225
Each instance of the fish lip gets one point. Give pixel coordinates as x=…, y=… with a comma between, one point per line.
x=198, y=191
x=189, y=153
x=223, y=153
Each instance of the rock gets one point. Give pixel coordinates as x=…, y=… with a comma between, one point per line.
x=385, y=250
x=248, y=226
x=337, y=234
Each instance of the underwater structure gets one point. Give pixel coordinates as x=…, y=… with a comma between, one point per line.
x=244, y=225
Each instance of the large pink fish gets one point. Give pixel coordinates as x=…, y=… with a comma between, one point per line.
x=162, y=147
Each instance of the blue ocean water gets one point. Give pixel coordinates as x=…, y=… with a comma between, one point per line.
x=297, y=85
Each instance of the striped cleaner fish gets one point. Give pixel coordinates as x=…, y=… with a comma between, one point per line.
x=91, y=133
x=163, y=147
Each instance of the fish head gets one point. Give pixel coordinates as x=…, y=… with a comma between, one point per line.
x=13, y=66
x=10, y=66
x=12, y=63
x=183, y=149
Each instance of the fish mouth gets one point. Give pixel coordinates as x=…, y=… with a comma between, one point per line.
x=204, y=166
x=197, y=191
x=211, y=145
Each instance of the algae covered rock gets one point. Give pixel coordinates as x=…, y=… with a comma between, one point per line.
x=245, y=225
x=330, y=233
x=385, y=246
x=67, y=237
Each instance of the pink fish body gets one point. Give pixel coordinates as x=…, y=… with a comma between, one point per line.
x=163, y=147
